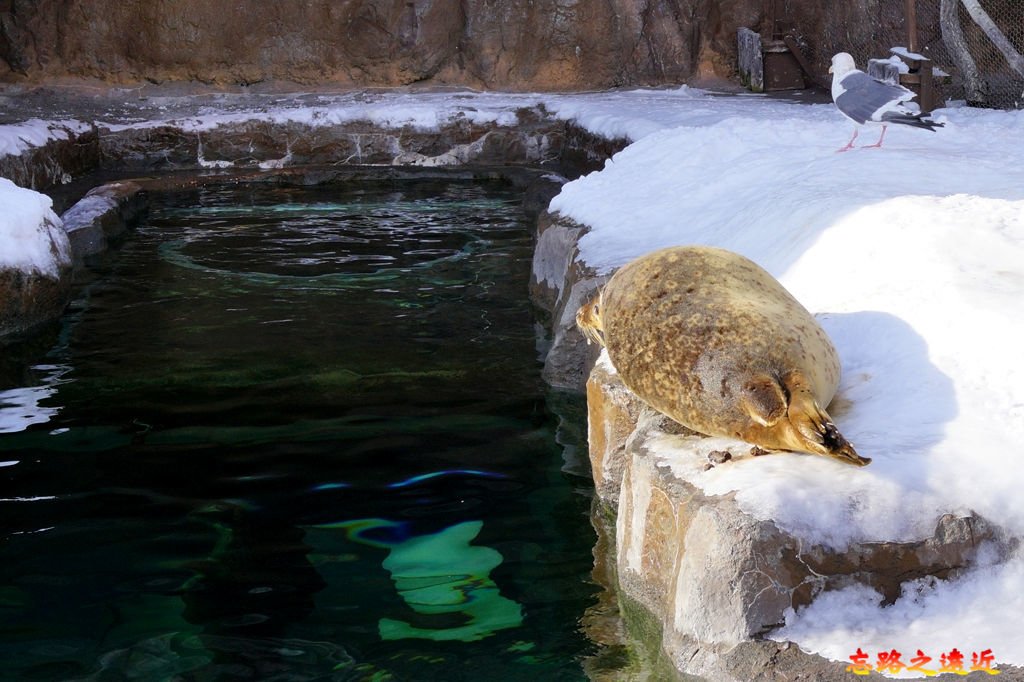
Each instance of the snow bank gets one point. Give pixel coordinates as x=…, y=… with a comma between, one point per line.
x=31, y=237
x=912, y=255
x=973, y=614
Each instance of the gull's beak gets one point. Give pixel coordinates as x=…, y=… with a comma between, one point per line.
x=830, y=69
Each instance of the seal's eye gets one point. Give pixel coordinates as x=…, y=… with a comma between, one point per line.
x=597, y=309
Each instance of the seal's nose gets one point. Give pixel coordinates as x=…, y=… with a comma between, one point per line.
x=850, y=457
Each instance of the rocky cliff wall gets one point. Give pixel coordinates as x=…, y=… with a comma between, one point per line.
x=489, y=44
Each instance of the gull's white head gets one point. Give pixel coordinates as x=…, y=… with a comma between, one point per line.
x=842, y=63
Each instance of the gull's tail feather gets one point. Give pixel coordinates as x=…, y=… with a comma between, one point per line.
x=915, y=120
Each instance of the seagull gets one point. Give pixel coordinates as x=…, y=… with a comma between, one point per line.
x=867, y=100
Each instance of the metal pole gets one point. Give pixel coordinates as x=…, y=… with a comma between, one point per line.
x=911, y=26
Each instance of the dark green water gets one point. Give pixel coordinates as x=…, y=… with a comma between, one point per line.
x=297, y=435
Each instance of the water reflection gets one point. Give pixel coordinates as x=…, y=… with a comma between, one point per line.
x=23, y=406
x=440, y=575
x=437, y=474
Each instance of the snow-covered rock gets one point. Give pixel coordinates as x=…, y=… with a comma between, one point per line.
x=711, y=574
x=39, y=154
x=35, y=260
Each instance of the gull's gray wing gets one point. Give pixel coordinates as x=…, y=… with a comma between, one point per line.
x=863, y=96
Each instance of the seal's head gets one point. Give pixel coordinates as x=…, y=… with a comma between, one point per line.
x=588, y=319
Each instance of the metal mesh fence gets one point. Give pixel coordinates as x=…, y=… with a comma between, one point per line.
x=978, y=43
x=888, y=19
x=986, y=51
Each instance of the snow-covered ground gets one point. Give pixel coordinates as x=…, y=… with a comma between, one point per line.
x=913, y=257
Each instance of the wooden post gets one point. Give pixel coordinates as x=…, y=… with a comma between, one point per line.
x=921, y=74
x=912, y=25
x=926, y=96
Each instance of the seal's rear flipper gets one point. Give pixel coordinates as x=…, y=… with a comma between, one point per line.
x=815, y=428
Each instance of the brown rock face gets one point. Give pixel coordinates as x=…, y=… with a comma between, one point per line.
x=506, y=44
x=525, y=43
x=30, y=300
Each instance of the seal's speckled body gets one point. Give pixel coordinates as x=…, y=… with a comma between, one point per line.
x=712, y=340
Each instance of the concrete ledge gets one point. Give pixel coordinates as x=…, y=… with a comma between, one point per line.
x=267, y=145
x=534, y=139
x=101, y=217
x=559, y=284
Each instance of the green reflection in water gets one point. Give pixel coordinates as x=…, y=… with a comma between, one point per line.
x=441, y=574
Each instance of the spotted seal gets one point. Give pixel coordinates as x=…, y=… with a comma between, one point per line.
x=712, y=340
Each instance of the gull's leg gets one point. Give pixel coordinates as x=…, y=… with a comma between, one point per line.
x=880, y=138
x=849, y=145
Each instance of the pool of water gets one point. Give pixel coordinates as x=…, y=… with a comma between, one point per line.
x=297, y=434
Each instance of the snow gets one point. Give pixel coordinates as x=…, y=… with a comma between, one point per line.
x=910, y=255
x=602, y=113
x=904, y=52
x=971, y=614
x=30, y=232
x=88, y=209
x=900, y=65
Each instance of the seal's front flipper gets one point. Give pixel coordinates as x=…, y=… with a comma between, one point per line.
x=764, y=400
x=814, y=427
